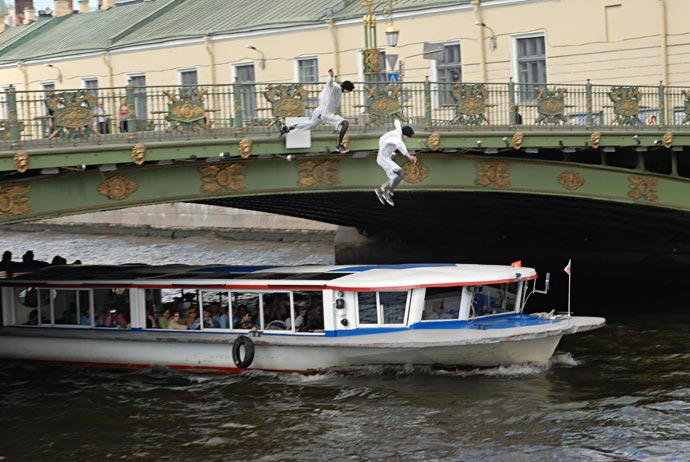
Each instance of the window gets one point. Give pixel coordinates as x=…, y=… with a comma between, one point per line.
x=382, y=307
x=91, y=84
x=493, y=299
x=188, y=78
x=449, y=72
x=531, y=67
x=244, y=74
x=140, y=106
x=308, y=70
x=441, y=303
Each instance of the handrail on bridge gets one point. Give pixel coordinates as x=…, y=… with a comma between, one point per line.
x=37, y=118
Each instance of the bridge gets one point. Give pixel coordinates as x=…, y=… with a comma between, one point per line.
x=504, y=169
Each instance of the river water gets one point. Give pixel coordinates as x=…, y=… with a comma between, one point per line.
x=621, y=393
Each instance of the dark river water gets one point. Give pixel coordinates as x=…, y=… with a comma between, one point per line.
x=621, y=393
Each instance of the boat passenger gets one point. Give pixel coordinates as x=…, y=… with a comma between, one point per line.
x=192, y=317
x=164, y=319
x=33, y=318
x=223, y=320
x=85, y=319
x=175, y=322
x=215, y=314
x=150, y=320
x=114, y=319
x=299, y=320
x=314, y=319
x=246, y=322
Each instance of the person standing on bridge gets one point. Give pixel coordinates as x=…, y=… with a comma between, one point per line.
x=390, y=143
x=329, y=100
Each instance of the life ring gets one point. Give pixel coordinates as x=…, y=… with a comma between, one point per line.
x=243, y=342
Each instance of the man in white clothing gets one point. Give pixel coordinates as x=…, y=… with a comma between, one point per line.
x=390, y=143
x=329, y=100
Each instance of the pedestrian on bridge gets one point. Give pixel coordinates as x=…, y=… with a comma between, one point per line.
x=329, y=100
x=390, y=143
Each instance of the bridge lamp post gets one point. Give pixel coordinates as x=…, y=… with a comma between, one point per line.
x=371, y=55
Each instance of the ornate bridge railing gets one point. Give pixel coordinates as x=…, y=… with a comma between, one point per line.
x=37, y=118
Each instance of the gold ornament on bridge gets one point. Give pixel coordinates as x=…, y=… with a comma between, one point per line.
x=551, y=105
x=346, y=141
x=21, y=161
x=595, y=139
x=318, y=173
x=118, y=188
x=415, y=172
x=643, y=189
x=223, y=178
x=518, y=138
x=5, y=128
x=13, y=200
x=187, y=111
x=372, y=61
x=384, y=103
x=139, y=153
x=287, y=101
x=73, y=113
x=245, y=147
x=494, y=174
x=434, y=141
x=471, y=101
x=626, y=105
x=571, y=180
x=667, y=139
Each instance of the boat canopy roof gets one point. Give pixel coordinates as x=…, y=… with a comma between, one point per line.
x=346, y=277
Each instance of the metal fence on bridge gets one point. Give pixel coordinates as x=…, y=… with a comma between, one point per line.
x=114, y=115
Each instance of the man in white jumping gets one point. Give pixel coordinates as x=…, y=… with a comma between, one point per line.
x=390, y=143
x=329, y=100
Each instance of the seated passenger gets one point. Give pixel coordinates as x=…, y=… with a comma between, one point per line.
x=314, y=320
x=175, y=322
x=33, y=319
x=246, y=322
x=150, y=320
x=299, y=320
x=223, y=320
x=208, y=321
x=114, y=319
x=85, y=319
x=164, y=319
x=192, y=317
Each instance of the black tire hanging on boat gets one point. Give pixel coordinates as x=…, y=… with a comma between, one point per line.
x=246, y=342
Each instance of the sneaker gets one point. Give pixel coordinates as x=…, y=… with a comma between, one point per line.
x=388, y=197
x=284, y=130
x=341, y=149
x=379, y=194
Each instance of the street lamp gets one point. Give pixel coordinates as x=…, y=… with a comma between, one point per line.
x=371, y=54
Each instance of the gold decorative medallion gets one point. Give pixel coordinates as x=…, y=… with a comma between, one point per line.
x=518, y=137
x=13, y=200
x=318, y=173
x=139, y=153
x=667, y=139
x=118, y=188
x=571, y=180
x=434, y=141
x=415, y=172
x=223, y=178
x=643, y=189
x=494, y=174
x=21, y=161
x=245, y=147
x=595, y=139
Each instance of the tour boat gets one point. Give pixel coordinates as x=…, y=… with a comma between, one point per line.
x=306, y=319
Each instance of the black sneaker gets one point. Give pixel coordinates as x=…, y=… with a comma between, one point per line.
x=341, y=149
x=379, y=194
x=284, y=130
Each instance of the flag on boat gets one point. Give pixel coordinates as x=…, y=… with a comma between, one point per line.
x=516, y=264
x=567, y=268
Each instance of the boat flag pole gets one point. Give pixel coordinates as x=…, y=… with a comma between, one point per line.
x=568, y=270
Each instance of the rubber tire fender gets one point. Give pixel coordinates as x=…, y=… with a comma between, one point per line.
x=239, y=342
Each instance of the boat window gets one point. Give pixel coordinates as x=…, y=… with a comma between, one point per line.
x=307, y=313
x=245, y=309
x=214, y=309
x=392, y=307
x=112, y=308
x=63, y=307
x=493, y=299
x=441, y=303
x=366, y=302
x=276, y=307
x=26, y=306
